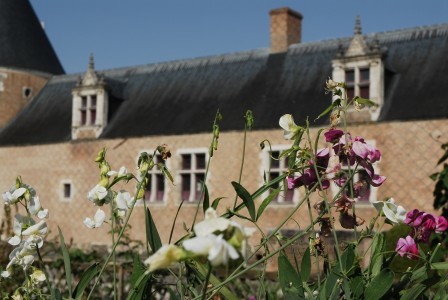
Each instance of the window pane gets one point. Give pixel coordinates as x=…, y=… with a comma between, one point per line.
x=289, y=194
x=83, y=117
x=148, y=192
x=364, y=92
x=83, y=102
x=272, y=176
x=200, y=161
x=364, y=74
x=186, y=186
x=160, y=182
x=186, y=162
x=198, y=185
x=92, y=116
x=93, y=101
x=349, y=77
x=67, y=190
x=350, y=93
x=275, y=164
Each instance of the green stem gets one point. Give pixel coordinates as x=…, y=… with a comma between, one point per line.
x=207, y=279
x=313, y=230
x=112, y=225
x=242, y=163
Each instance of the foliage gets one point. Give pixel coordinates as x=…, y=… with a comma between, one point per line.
x=214, y=259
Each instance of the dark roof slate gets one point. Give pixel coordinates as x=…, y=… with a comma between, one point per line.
x=182, y=97
x=24, y=44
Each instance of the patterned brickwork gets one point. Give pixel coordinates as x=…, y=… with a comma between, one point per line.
x=410, y=151
x=286, y=29
x=17, y=89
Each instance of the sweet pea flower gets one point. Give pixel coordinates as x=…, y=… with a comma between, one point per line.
x=211, y=223
x=13, y=196
x=333, y=135
x=441, y=224
x=217, y=250
x=407, y=247
x=97, y=221
x=394, y=213
x=99, y=195
x=122, y=172
x=166, y=256
x=287, y=123
x=123, y=202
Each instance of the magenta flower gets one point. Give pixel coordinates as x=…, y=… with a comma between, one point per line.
x=441, y=224
x=333, y=135
x=407, y=247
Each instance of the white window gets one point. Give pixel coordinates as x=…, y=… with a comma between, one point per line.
x=273, y=167
x=156, y=188
x=192, y=173
x=87, y=110
x=357, y=81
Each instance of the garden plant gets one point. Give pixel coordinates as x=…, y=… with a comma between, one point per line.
x=216, y=250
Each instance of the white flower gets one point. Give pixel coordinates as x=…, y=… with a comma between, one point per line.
x=43, y=213
x=124, y=201
x=166, y=256
x=122, y=172
x=34, y=206
x=211, y=224
x=97, y=221
x=11, y=198
x=39, y=229
x=287, y=123
x=217, y=250
x=395, y=214
x=331, y=85
x=99, y=195
x=37, y=276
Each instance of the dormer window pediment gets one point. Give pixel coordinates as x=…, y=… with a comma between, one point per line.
x=361, y=67
x=89, y=105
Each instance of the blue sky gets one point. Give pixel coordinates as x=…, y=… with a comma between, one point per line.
x=126, y=33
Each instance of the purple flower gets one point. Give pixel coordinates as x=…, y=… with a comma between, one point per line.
x=333, y=135
x=411, y=216
x=407, y=247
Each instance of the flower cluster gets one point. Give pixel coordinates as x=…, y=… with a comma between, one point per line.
x=29, y=230
x=423, y=224
x=217, y=239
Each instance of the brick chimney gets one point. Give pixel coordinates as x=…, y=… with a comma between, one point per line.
x=286, y=28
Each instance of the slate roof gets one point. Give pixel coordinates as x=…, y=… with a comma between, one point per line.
x=23, y=42
x=181, y=97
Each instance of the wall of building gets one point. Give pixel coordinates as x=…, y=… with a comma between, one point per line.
x=17, y=89
x=410, y=152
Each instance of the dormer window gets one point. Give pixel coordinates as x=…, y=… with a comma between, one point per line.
x=361, y=67
x=90, y=106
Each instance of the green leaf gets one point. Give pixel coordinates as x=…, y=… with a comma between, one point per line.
x=152, y=235
x=357, y=287
x=329, y=108
x=413, y=292
x=376, y=258
x=247, y=199
x=137, y=270
x=305, y=265
x=365, y=101
x=86, y=277
x=440, y=265
x=140, y=289
x=433, y=176
x=347, y=259
x=266, y=202
x=289, y=279
x=216, y=202
x=380, y=285
x=165, y=171
x=443, y=158
x=206, y=202
x=67, y=266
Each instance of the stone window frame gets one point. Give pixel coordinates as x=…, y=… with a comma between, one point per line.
x=193, y=171
x=266, y=159
x=373, y=190
x=3, y=76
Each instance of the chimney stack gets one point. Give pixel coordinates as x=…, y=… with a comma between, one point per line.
x=286, y=28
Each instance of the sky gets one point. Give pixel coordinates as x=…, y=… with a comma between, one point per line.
x=135, y=32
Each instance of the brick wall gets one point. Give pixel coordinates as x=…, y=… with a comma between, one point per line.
x=410, y=151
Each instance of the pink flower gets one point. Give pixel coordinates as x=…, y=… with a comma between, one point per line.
x=333, y=135
x=407, y=247
x=441, y=224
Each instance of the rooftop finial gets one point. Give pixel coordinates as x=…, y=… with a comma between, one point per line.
x=91, y=62
x=358, y=25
